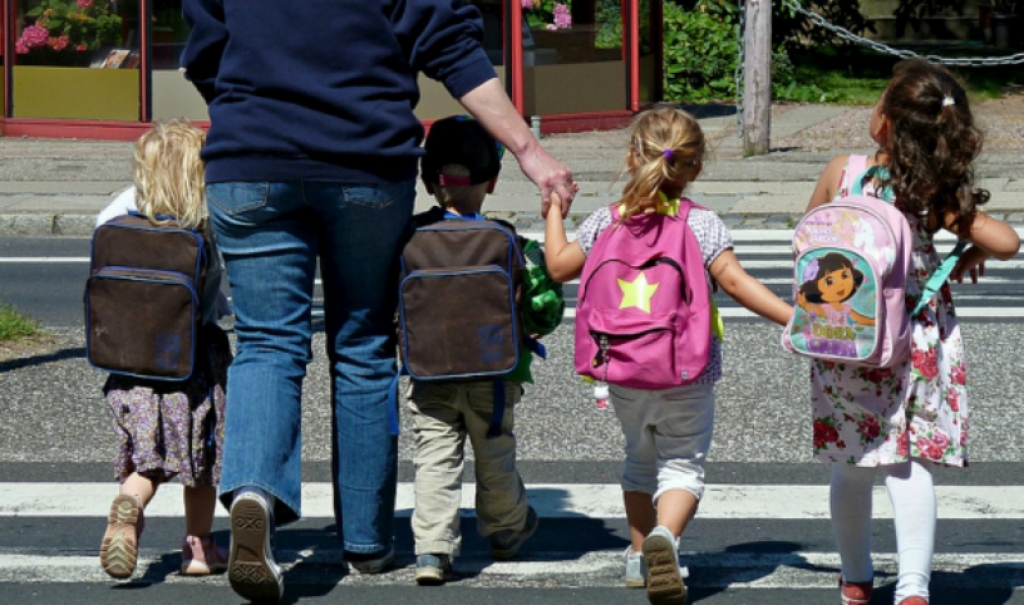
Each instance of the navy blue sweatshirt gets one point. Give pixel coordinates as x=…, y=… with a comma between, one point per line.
x=325, y=89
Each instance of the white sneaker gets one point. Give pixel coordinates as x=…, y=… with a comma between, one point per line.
x=252, y=570
x=636, y=568
x=664, y=577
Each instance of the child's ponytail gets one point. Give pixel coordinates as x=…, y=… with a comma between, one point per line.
x=666, y=153
x=932, y=146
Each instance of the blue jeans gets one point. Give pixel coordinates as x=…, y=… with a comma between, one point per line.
x=271, y=235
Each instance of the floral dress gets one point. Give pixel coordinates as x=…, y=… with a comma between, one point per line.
x=916, y=409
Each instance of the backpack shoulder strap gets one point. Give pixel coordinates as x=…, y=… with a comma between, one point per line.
x=936, y=279
x=853, y=174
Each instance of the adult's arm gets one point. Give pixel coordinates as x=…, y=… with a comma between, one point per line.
x=205, y=46
x=442, y=38
x=489, y=104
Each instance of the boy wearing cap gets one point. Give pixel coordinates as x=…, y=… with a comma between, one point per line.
x=460, y=169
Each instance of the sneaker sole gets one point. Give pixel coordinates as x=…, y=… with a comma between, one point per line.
x=430, y=576
x=373, y=566
x=250, y=573
x=664, y=584
x=119, y=552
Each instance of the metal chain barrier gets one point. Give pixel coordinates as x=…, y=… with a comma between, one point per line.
x=849, y=36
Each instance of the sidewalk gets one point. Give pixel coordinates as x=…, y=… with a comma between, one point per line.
x=56, y=187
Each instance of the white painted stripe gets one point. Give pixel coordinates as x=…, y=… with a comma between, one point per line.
x=45, y=259
x=736, y=570
x=763, y=235
x=596, y=500
x=961, y=312
x=788, y=264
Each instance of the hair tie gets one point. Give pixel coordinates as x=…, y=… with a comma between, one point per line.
x=948, y=101
x=669, y=155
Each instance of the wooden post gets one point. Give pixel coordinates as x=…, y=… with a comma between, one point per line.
x=757, y=78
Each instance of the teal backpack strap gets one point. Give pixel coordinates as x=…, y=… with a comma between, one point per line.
x=875, y=172
x=936, y=279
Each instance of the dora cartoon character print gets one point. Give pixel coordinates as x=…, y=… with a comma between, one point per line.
x=832, y=322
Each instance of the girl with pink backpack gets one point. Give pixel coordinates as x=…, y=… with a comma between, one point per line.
x=646, y=327
x=908, y=415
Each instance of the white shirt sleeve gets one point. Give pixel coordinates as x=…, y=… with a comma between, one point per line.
x=122, y=204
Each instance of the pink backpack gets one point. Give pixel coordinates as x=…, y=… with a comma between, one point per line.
x=643, y=319
x=852, y=261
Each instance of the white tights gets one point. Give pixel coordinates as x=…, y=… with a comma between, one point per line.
x=914, y=512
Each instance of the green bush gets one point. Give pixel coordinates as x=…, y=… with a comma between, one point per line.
x=15, y=325
x=702, y=52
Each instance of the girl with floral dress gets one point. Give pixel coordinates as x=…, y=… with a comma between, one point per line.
x=905, y=419
x=171, y=430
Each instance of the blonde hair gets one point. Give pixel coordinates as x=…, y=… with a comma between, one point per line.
x=463, y=197
x=169, y=173
x=666, y=153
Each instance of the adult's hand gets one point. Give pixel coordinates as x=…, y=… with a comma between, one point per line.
x=550, y=176
x=490, y=105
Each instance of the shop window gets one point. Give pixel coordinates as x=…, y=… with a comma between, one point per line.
x=173, y=95
x=76, y=59
x=572, y=56
x=435, y=102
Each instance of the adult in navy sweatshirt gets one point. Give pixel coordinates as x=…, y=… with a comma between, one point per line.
x=312, y=153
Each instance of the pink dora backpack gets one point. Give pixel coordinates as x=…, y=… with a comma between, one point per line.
x=643, y=319
x=851, y=266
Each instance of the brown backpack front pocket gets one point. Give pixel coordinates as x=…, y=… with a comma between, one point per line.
x=141, y=323
x=465, y=323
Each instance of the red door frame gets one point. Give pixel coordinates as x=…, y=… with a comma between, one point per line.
x=513, y=54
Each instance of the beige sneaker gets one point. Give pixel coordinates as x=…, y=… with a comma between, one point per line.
x=119, y=551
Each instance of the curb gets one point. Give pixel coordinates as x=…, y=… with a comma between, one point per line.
x=44, y=224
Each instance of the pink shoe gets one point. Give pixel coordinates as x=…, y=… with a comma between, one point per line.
x=855, y=593
x=202, y=556
x=119, y=551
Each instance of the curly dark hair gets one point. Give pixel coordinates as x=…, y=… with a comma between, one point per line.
x=831, y=262
x=932, y=145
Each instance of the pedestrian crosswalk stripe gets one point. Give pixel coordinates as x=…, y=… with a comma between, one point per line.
x=594, y=500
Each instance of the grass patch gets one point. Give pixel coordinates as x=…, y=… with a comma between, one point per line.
x=15, y=325
x=858, y=77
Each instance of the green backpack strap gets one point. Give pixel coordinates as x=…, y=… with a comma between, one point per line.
x=942, y=272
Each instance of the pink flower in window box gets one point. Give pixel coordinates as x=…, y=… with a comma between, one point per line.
x=563, y=20
x=59, y=43
x=85, y=4
x=34, y=37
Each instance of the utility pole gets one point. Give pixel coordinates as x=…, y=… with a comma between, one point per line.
x=757, y=78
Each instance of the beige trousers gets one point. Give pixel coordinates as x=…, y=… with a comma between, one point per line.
x=444, y=414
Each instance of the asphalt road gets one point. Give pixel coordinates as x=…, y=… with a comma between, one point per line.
x=55, y=438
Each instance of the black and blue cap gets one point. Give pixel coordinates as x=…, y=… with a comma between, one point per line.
x=462, y=141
